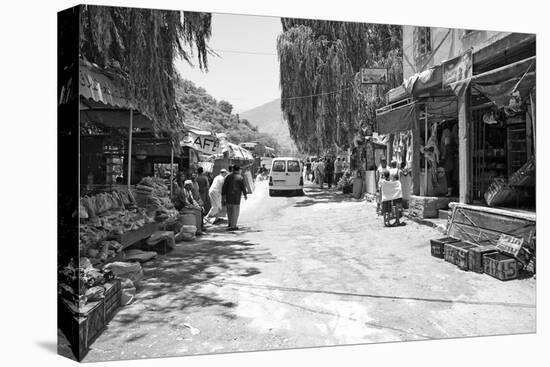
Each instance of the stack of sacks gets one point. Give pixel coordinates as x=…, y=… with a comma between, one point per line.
x=129, y=274
x=187, y=233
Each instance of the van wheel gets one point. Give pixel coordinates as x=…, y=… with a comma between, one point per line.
x=300, y=193
x=271, y=192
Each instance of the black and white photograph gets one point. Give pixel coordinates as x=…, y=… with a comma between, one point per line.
x=237, y=183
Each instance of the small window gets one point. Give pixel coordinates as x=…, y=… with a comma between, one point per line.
x=278, y=166
x=423, y=41
x=293, y=166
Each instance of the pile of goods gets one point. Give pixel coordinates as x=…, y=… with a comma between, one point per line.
x=153, y=195
x=92, y=206
x=129, y=273
x=82, y=283
x=188, y=228
x=98, y=235
x=346, y=183
x=503, y=261
x=518, y=188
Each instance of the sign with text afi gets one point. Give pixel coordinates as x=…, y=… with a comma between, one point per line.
x=204, y=143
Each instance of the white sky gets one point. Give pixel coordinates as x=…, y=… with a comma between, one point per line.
x=245, y=80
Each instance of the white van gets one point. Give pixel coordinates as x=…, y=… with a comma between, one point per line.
x=286, y=175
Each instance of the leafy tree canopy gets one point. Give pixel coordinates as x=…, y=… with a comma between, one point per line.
x=322, y=97
x=142, y=44
x=226, y=106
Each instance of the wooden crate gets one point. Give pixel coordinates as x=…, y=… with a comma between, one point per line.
x=475, y=257
x=113, y=294
x=81, y=327
x=437, y=246
x=457, y=253
x=500, y=266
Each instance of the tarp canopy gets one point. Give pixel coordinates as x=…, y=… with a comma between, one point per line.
x=400, y=119
x=236, y=152
x=417, y=85
x=500, y=85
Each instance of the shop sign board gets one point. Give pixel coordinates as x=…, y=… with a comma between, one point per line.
x=509, y=244
x=457, y=69
x=374, y=75
x=206, y=144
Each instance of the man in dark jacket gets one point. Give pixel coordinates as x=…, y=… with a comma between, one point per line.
x=233, y=188
x=204, y=185
x=329, y=171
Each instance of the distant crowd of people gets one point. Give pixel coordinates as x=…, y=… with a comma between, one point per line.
x=210, y=199
x=327, y=170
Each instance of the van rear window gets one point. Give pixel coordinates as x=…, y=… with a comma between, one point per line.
x=293, y=166
x=278, y=166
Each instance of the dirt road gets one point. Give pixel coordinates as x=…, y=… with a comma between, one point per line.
x=308, y=271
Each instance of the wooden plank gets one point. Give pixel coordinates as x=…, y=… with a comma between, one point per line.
x=477, y=235
x=513, y=213
x=464, y=149
x=494, y=222
x=514, y=41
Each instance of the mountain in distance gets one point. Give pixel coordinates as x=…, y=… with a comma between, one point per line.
x=268, y=118
x=205, y=112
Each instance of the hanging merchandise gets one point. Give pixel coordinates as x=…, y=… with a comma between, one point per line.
x=489, y=118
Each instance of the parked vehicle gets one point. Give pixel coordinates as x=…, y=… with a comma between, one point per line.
x=286, y=176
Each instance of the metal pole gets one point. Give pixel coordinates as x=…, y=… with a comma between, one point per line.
x=171, y=170
x=533, y=120
x=425, y=142
x=130, y=148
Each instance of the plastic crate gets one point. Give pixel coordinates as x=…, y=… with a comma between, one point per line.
x=437, y=246
x=500, y=266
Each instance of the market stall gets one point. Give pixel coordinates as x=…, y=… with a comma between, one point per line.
x=502, y=149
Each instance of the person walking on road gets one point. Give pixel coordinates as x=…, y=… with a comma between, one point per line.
x=329, y=172
x=338, y=170
x=320, y=173
x=232, y=190
x=215, y=194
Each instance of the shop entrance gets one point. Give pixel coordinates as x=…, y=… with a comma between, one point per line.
x=499, y=146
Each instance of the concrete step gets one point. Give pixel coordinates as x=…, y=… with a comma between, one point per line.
x=444, y=213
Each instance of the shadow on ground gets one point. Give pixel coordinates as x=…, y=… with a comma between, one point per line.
x=175, y=282
x=324, y=196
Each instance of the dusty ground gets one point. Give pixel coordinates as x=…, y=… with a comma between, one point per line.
x=309, y=271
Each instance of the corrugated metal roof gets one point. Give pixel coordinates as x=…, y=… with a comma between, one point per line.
x=103, y=87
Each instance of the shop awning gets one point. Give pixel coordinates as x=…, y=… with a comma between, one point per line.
x=98, y=113
x=101, y=86
x=499, y=85
x=417, y=85
x=399, y=119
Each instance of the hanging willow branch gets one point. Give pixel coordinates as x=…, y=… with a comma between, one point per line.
x=322, y=59
x=142, y=44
